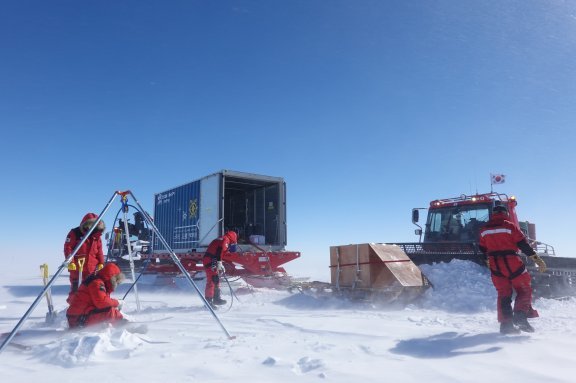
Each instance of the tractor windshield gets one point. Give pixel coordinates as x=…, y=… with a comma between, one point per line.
x=456, y=223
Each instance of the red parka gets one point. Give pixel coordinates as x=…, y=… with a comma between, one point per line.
x=221, y=245
x=213, y=255
x=500, y=240
x=92, y=302
x=91, y=249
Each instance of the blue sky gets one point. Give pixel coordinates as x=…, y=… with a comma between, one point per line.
x=366, y=108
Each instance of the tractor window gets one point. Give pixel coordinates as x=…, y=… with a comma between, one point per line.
x=456, y=224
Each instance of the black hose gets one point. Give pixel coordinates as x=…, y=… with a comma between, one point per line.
x=231, y=294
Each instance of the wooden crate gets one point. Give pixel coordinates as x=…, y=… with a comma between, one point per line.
x=371, y=265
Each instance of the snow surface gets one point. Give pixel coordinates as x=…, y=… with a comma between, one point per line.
x=449, y=335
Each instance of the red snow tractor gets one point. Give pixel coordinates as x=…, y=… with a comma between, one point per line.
x=451, y=232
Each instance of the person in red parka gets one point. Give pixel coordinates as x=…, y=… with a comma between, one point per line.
x=90, y=256
x=212, y=262
x=500, y=241
x=92, y=303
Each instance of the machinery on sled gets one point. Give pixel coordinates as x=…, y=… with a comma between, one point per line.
x=390, y=271
x=190, y=216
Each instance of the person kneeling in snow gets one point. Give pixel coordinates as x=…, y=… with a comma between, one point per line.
x=92, y=303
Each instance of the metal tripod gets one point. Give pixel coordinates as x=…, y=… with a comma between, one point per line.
x=64, y=266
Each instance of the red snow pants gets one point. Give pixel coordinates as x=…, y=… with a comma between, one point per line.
x=523, y=302
x=212, y=277
x=111, y=315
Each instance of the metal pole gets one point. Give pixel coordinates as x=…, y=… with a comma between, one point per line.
x=144, y=265
x=178, y=263
x=58, y=272
x=129, y=247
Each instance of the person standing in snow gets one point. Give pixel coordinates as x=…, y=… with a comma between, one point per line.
x=212, y=262
x=89, y=256
x=92, y=303
x=500, y=241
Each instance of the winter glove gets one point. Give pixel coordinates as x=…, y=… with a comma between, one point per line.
x=220, y=267
x=71, y=266
x=99, y=267
x=539, y=262
x=120, y=304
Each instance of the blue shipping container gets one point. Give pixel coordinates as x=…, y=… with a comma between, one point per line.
x=190, y=216
x=176, y=215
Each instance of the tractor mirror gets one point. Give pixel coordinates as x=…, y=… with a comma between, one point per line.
x=415, y=215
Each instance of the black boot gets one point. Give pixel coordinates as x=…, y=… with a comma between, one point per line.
x=521, y=321
x=211, y=303
x=217, y=297
x=508, y=328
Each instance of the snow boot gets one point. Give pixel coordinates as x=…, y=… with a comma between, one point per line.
x=521, y=320
x=217, y=297
x=507, y=328
x=211, y=303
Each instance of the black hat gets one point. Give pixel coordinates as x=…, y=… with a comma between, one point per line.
x=500, y=209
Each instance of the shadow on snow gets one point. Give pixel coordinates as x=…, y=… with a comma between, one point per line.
x=451, y=344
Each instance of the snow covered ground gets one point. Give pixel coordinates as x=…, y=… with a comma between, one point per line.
x=451, y=335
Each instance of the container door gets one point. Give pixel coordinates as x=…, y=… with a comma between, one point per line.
x=210, y=209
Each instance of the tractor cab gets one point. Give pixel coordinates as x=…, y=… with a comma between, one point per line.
x=460, y=219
